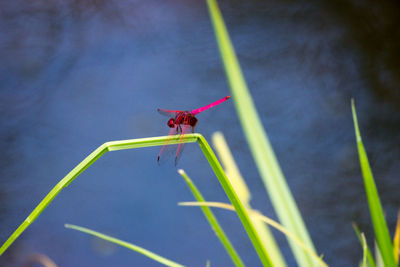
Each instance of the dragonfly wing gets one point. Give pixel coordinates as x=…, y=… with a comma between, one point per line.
x=168, y=150
x=185, y=128
x=168, y=113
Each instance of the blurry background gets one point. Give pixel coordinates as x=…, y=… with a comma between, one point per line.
x=75, y=74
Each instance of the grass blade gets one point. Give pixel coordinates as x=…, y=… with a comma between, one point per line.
x=230, y=167
x=35, y=259
x=364, y=246
x=122, y=243
x=213, y=221
x=257, y=215
x=370, y=258
x=89, y=160
x=396, y=239
x=374, y=203
x=147, y=142
x=262, y=152
x=234, y=199
x=378, y=256
x=239, y=184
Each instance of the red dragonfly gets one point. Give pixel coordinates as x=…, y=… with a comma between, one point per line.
x=182, y=122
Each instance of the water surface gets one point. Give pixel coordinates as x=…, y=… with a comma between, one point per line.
x=75, y=74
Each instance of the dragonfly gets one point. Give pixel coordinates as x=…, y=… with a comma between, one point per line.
x=181, y=123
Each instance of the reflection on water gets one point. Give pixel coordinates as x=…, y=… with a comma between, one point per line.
x=75, y=74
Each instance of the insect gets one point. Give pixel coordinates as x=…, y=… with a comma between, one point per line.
x=181, y=123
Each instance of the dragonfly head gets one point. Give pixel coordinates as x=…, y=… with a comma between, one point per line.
x=171, y=123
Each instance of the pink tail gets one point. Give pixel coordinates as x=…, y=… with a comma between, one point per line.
x=197, y=111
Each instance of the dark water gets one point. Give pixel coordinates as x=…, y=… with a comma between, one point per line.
x=74, y=74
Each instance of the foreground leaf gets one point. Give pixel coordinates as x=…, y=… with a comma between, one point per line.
x=122, y=243
x=240, y=186
x=263, y=154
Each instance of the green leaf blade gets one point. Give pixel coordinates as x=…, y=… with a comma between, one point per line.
x=125, y=244
x=138, y=143
x=262, y=152
x=83, y=165
x=378, y=220
x=370, y=258
x=239, y=207
x=239, y=184
x=212, y=220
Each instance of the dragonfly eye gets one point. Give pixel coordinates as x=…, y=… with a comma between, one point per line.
x=171, y=123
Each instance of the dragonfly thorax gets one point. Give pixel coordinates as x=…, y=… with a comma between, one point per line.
x=185, y=118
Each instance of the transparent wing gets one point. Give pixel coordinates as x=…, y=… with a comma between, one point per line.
x=168, y=150
x=168, y=113
x=184, y=128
